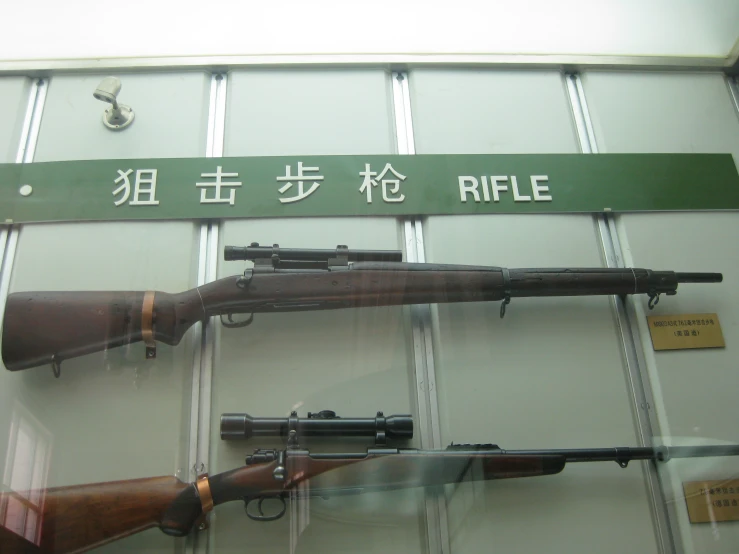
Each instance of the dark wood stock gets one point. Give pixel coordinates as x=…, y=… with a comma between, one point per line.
x=78, y=518
x=15, y=544
x=41, y=327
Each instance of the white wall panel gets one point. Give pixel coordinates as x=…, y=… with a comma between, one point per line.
x=490, y=112
x=662, y=112
x=694, y=389
x=331, y=111
x=13, y=100
x=171, y=114
x=548, y=375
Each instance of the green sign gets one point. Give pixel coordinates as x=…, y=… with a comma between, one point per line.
x=298, y=186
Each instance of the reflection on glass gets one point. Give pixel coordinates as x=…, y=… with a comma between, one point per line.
x=26, y=470
x=299, y=513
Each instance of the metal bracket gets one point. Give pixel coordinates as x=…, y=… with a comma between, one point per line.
x=323, y=414
x=622, y=457
x=506, y=291
x=118, y=119
x=341, y=261
x=653, y=299
x=292, y=431
x=506, y=301
x=380, y=425
x=280, y=472
x=202, y=523
x=56, y=366
x=243, y=281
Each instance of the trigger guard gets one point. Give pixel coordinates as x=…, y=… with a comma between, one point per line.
x=261, y=516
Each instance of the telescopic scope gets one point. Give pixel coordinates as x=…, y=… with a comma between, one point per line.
x=320, y=424
x=255, y=252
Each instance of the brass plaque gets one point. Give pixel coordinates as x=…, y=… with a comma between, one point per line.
x=712, y=500
x=675, y=332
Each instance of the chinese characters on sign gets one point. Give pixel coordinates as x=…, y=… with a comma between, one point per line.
x=712, y=500
x=389, y=186
x=219, y=187
x=142, y=196
x=216, y=185
x=676, y=332
x=299, y=177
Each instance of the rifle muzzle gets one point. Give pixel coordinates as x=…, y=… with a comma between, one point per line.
x=699, y=277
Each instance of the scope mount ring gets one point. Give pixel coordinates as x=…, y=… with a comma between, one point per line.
x=260, y=499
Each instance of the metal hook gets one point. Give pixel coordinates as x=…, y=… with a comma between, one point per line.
x=56, y=366
x=506, y=301
x=261, y=516
x=243, y=281
x=653, y=299
x=231, y=324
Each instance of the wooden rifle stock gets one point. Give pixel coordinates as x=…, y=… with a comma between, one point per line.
x=79, y=518
x=48, y=327
x=16, y=544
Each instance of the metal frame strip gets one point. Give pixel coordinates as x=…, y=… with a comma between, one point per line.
x=203, y=351
x=731, y=83
x=29, y=149
x=207, y=353
x=26, y=149
x=30, y=108
x=437, y=528
x=11, y=243
x=398, y=62
x=211, y=274
x=200, y=415
x=645, y=421
x=192, y=459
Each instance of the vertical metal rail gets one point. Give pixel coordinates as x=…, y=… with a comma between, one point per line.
x=424, y=372
x=645, y=421
x=733, y=91
x=202, y=367
x=211, y=272
x=26, y=150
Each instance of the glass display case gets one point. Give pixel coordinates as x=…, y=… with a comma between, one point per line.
x=119, y=445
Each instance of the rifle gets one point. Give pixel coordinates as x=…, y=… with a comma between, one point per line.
x=48, y=327
x=82, y=517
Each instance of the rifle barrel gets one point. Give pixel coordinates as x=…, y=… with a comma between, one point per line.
x=626, y=454
x=699, y=277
